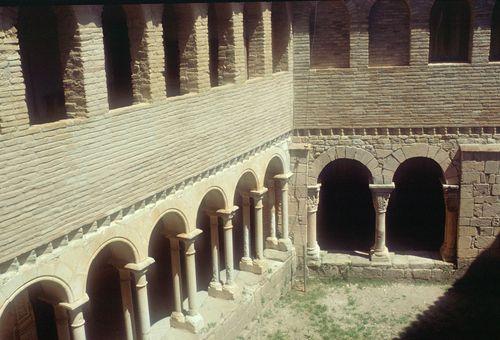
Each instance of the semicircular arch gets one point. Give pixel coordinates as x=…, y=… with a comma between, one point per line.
x=347, y=152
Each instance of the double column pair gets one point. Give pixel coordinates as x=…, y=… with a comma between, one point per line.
x=193, y=320
x=278, y=192
x=247, y=263
x=380, y=195
x=75, y=309
x=216, y=289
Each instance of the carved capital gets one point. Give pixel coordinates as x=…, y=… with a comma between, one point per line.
x=380, y=195
x=227, y=214
x=313, y=197
x=451, y=197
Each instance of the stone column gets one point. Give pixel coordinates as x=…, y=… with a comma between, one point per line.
x=62, y=324
x=257, y=196
x=76, y=319
x=284, y=244
x=451, y=199
x=312, y=208
x=127, y=304
x=272, y=241
x=214, y=246
x=380, y=195
x=246, y=263
x=194, y=321
x=227, y=216
x=177, y=316
x=139, y=270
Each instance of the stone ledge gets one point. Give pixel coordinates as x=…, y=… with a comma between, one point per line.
x=400, y=267
x=480, y=147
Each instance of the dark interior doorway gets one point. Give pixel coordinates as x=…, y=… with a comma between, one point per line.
x=346, y=218
x=416, y=211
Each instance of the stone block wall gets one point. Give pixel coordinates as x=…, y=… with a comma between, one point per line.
x=479, y=221
x=382, y=151
x=365, y=95
x=61, y=176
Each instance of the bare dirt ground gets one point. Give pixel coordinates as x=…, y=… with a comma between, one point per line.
x=336, y=309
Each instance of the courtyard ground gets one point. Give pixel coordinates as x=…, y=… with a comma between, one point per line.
x=338, y=309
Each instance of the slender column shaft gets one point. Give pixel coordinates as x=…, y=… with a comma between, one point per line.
x=272, y=210
x=127, y=304
x=284, y=209
x=259, y=221
x=451, y=198
x=77, y=325
x=191, y=277
x=285, y=243
x=142, y=303
x=228, y=247
x=380, y=194
x=214, y=239
x=246, y=227
x=176, y=273
x=227, y=222
x=312, y=208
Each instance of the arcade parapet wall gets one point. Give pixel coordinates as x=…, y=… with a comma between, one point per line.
x=383, y=150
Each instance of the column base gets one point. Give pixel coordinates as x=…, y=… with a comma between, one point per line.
x=313, y=256
x=259, y=266
x=380, y=255
x=177, y=320
x=252, y=266
x=194, y=323
x=246, y=264
x=219, y=291
x=215, y=289
x=285, y=244
x=447, y=254
x=271, y=243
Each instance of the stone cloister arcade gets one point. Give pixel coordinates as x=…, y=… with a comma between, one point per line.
x=406, y=202
x=155, y=268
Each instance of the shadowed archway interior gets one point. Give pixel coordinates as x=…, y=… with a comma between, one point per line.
x=416, y=211
x=346, y=219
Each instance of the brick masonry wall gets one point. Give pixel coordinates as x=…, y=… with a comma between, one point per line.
x=479, y=223
x=389, y=33
x=380, y=146
x=60, y=176
x=330, y=42
x=400, y=96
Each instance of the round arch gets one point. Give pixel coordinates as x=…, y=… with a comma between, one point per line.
x=248, y=180
x=119, y=248
x=437, y=154
x=338, y=152
x=38, y=299
x=51, y=281
x=275, y=166
x=174, y=222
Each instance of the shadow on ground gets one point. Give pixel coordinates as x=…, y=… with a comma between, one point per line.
x=470, y=309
